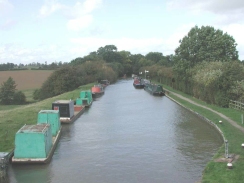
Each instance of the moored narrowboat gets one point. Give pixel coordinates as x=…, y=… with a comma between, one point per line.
x=35, y=144
x=104, y=83
x=97, y=91
x=68, y=111
x=85, y=98
x=138, y=83
x=154, y=89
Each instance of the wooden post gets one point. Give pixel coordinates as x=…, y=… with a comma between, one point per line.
x=242, y=119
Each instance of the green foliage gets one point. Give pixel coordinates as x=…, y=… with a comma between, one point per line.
x=154, y=56
x=218, y=82
x=9, y=95
x=62, y=80
x=107, y=48
x=19, y=98
x=7, y=91
x=69, y=78
x=36, y=94
x=222, y=99
x=206, y=44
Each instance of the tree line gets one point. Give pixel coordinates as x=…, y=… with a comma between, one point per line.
x=32, y=66
x=205, y=65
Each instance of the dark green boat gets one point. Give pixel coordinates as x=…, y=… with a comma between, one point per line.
x=154, y=89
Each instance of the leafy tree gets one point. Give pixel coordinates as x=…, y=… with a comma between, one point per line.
x=7, y=91
x=206, y=44
x=107, y=48
x=135, y=62
x=154, y=56
x=201, y=44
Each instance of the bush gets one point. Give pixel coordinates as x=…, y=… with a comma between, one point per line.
x=19, y=98
x=222, y=99
x=36, y=94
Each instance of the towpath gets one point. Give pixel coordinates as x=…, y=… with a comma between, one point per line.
x=233, y=123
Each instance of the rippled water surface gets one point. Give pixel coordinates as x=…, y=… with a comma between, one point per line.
x=128, y=136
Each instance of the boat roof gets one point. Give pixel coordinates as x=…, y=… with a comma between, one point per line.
x=38, y=128
x=63, y=101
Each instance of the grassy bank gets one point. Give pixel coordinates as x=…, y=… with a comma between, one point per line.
x=12, y=119
x=217, y=171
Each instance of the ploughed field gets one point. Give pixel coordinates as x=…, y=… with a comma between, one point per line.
x=26, y=79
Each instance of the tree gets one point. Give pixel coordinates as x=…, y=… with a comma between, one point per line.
x=154, y=56
x=107, y=48
x=206, y=44
x=19, y=98
x=7, y=91
x=201, y=44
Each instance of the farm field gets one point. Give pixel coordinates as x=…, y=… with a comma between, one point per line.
x=26, y=79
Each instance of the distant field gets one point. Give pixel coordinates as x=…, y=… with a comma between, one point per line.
x=26, y=79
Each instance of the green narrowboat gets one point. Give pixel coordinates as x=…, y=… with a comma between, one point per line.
x=154, y=89
x=85, y=98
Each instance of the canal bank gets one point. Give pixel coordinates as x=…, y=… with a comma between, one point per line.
x=231, y=129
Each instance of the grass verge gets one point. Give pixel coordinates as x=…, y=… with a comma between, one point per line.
x=15, y=117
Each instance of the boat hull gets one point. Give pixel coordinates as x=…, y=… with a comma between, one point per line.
x=138, y=86
x=97, y=94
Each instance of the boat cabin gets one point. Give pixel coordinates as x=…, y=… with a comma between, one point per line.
x=33, y=141
x=51, y=117
x=65, y=107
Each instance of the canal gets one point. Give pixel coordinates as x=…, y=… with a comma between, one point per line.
x=128, y=136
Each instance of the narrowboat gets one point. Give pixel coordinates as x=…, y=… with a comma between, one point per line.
x=154, y=89
x=68, y=111
x=85, y=98
x=35, y=144
x=97, y=91
x=104, y=83
x=138, y=83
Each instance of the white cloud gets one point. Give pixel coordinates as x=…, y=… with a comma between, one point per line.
x=16, y=53
x=82, y=14
x=90, y=5
x=236, y=31
x=49, y=7
x=226, y=11
x=8, y=24
x=5, y=7
x=79, y=23
x=79, y=16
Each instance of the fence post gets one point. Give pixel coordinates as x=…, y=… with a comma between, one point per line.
x=242, y=119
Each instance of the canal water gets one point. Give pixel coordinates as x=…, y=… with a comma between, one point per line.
x=128, y=136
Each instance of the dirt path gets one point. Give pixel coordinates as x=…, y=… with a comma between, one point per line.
x=233, y=123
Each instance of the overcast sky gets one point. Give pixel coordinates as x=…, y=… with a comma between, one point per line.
x=62, y=30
